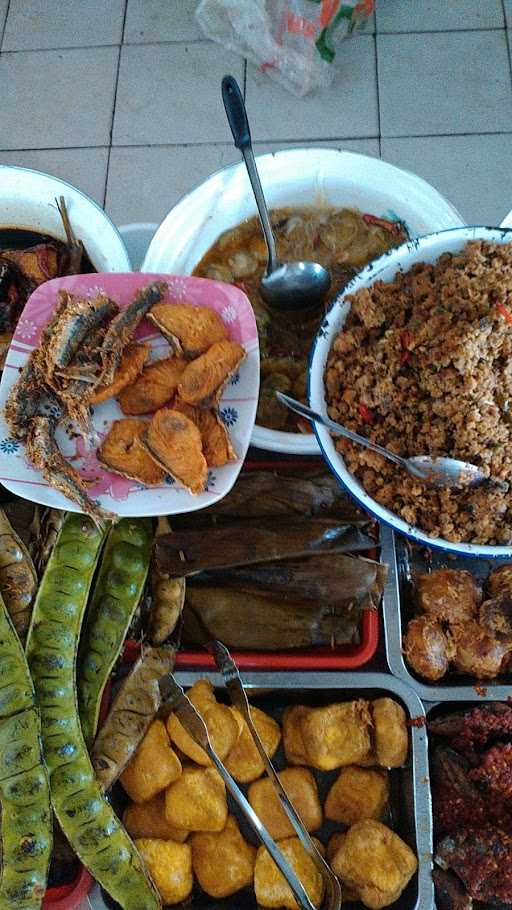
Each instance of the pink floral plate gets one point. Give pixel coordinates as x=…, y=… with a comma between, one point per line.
x=115, y=493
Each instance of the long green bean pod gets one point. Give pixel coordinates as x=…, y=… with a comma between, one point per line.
x=26, y=823
x=115, y=597
x=86, y=818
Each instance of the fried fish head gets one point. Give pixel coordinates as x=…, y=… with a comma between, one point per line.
x=153, y=388
x=337, y=734
x=374, y=862
x=272, y=889
x=217, y=447
x=174, y=442
x=203, y=379
x=300, y=785
x=123, y=453
x=244, y=762
x=197, y=801
x=223, y=863
x=191, y=330
x=451, y=595
x=132, y=361
x=390, y=732
x=170, y=867
x=293, y=742
x=148, y=820
x=356, y=794
x=153, y=767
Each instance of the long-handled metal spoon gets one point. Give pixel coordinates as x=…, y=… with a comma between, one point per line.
x=285, y=286
x=439, y=472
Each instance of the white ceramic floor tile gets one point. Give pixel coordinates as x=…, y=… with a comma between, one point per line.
x=154, y=20
x=458, y=82
x=3, y=13
x=361, y=146
x=437, y=15
x=170, y=93
x=507, y=4
x=473, y=172
x=84, y=168
x=70, y=106
x=347, y=108
x=38, y=24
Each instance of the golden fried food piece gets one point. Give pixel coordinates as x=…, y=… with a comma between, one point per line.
x=390, y=732
x=334, y=843
x=477, y=651
x=123, y=453
x=301, y=788
x=221, y=722
x=197, y=801
x=203, y=379
x=148, y=820
x=174, y=442
x=271, y=888
x=132, y=361
x=495, y=615
x=191, y=330
x=293, y=742
x=217, y=448
x=374, y=862
x=452, y=595
x=155, y=386
x=223, y=863
x=500, y=581
x=426, y=648
x=170, y=867
x=357, y=793
x=337, y=735
x=244, y=761
x=154, y=765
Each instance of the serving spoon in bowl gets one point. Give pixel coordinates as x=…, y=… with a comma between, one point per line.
x=293, y=287
x=436, y=471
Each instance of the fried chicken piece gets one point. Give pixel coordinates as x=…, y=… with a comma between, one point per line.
x=217, y=448
x=197, y=801
x=204, y=378
x=123, y=453
x=170, y=867
x=482, y=859
x=500, y=581
x=374, y=862
x=272, y=890
x=426, y=648
x=190, y=330
x=452, y=595
x=356, y=794
x=174, y=443
x=133, y=359
x=390, y=733
x=148, y=820
x=337, y=735
x=223, y=862
x=477, y=652
x=300, y=785
x=155, y=386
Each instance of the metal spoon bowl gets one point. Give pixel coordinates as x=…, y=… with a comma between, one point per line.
x=298, y=287
x=436, y=471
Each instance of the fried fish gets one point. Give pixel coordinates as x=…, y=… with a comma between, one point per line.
x=123, y=453
x=190, y=330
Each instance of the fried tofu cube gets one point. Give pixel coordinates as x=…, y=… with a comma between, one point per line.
x=221, y=721
x=293, y=742
x=244, y=761
x=153, y=767
x=357, y=793
x=148, y=820
x=223, y=863
x=170, y=867
x=300, y=785
x=391, y=736
x=197, y=801
x=375, y=862
x=337, y=735
x=272, y=890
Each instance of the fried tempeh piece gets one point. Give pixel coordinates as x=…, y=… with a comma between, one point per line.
x=154, y=387
x=217, y=448
x=203, y=379
x=133, y=359
x=191, y=330
x=174, y=442
x=123, y=453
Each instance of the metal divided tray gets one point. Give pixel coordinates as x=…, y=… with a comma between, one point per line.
x=403, y=559
x=411, y=815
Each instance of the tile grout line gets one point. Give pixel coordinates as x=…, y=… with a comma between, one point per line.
x=5, y=23
x=116, y=84
x=377, y=86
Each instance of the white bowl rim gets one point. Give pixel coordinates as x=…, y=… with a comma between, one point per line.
x=263, y=437
x=363, y=499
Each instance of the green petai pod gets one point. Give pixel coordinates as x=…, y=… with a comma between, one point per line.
x=115, y=597
x=26, y=821
x=86, y=818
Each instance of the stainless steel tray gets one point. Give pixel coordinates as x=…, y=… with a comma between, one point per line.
x=397, y=610
x=411, y=804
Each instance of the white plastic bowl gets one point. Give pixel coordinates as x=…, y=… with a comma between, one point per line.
x=27, y=200
x=425, y=249
x=293, y=177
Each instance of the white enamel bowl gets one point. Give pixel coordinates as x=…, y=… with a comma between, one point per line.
x=293, y=177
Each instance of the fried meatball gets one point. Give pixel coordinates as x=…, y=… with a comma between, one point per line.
x=426, y=648
x=452, y=595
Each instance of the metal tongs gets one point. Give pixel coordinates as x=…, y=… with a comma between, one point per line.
x=174, y=698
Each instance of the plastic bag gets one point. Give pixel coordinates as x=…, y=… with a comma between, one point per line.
x=293, y=41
